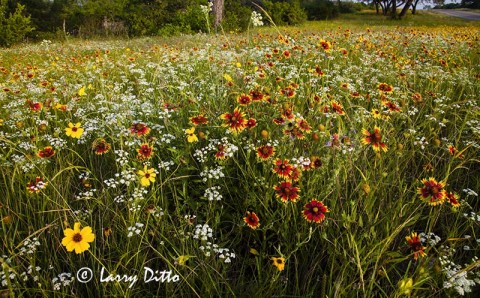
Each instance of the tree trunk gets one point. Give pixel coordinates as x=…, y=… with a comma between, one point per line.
x=394, y=9
x=405, y=9
x=414, y=6
x=217, y=8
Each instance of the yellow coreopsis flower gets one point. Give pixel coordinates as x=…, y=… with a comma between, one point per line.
x=227, y=77
x=181, y=260
x=279, y=263
x=81, y=91
x=74, y=131
x=191, y=136
x=147, y=176
x=77, y=239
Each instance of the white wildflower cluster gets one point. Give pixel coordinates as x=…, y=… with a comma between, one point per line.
x=420, y=141
x=166, y=165
x=203, y=232
x=84, y=175
x=46, y=43
x=201, y=154
x=31, y=272
x=213, y=194
x=429, y=238
x=26, y=146
x=206, y=9
x=135, y=207
x=7, y=273
x=412, y=111
x=472, y=216
x=62, y=280
x=215, y=173
x=138, y=194
x=222, y=253
x=167, y=138
x=135, y=229
x=474, y=125
x=22, y=162
x=256, y=19
x=132, y=142
x=458, y=277
x=228, y=149
x=119, y=199
x=82, y=214
x=301, y=162
x=122, y=158
x=29, y=246
x=165, y=114
x=80, y=113
x=126, y=176
x=90, y=126
x=112, y=183
x=86, y=195
x=470, y=192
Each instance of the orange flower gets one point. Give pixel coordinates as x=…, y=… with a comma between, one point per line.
x=416, y=245
x=251, y=220
x=265, y=152
x=282, y=168
x=314, y=211
x=200, y=119
x=145, y=151
x=452, y=198
x=139, y=129
x=100, y=146
x=46, y=152
x=432, y=191
x=244, y=99
x=235, y=121
x=374, y=139
x=383, y=87
x=287, y=192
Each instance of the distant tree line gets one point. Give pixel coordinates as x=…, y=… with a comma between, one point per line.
x=474, y=4
x=56, y=19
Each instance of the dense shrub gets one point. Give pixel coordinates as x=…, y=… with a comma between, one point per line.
x=285, y=12
x=237, y=16
x=14, y=27
x=320, y=9
x=350, y=7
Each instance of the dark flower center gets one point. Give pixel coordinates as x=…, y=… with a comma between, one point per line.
x=74, y=129
x=315, y=209
x=77, y=237
x=147, y=175
x=377, y=136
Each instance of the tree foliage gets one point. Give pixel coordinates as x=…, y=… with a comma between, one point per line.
x=87, y=18
x=15, y=25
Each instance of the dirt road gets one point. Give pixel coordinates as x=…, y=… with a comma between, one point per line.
x=469, y=15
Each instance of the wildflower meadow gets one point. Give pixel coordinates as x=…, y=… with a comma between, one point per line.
x=335, y=162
